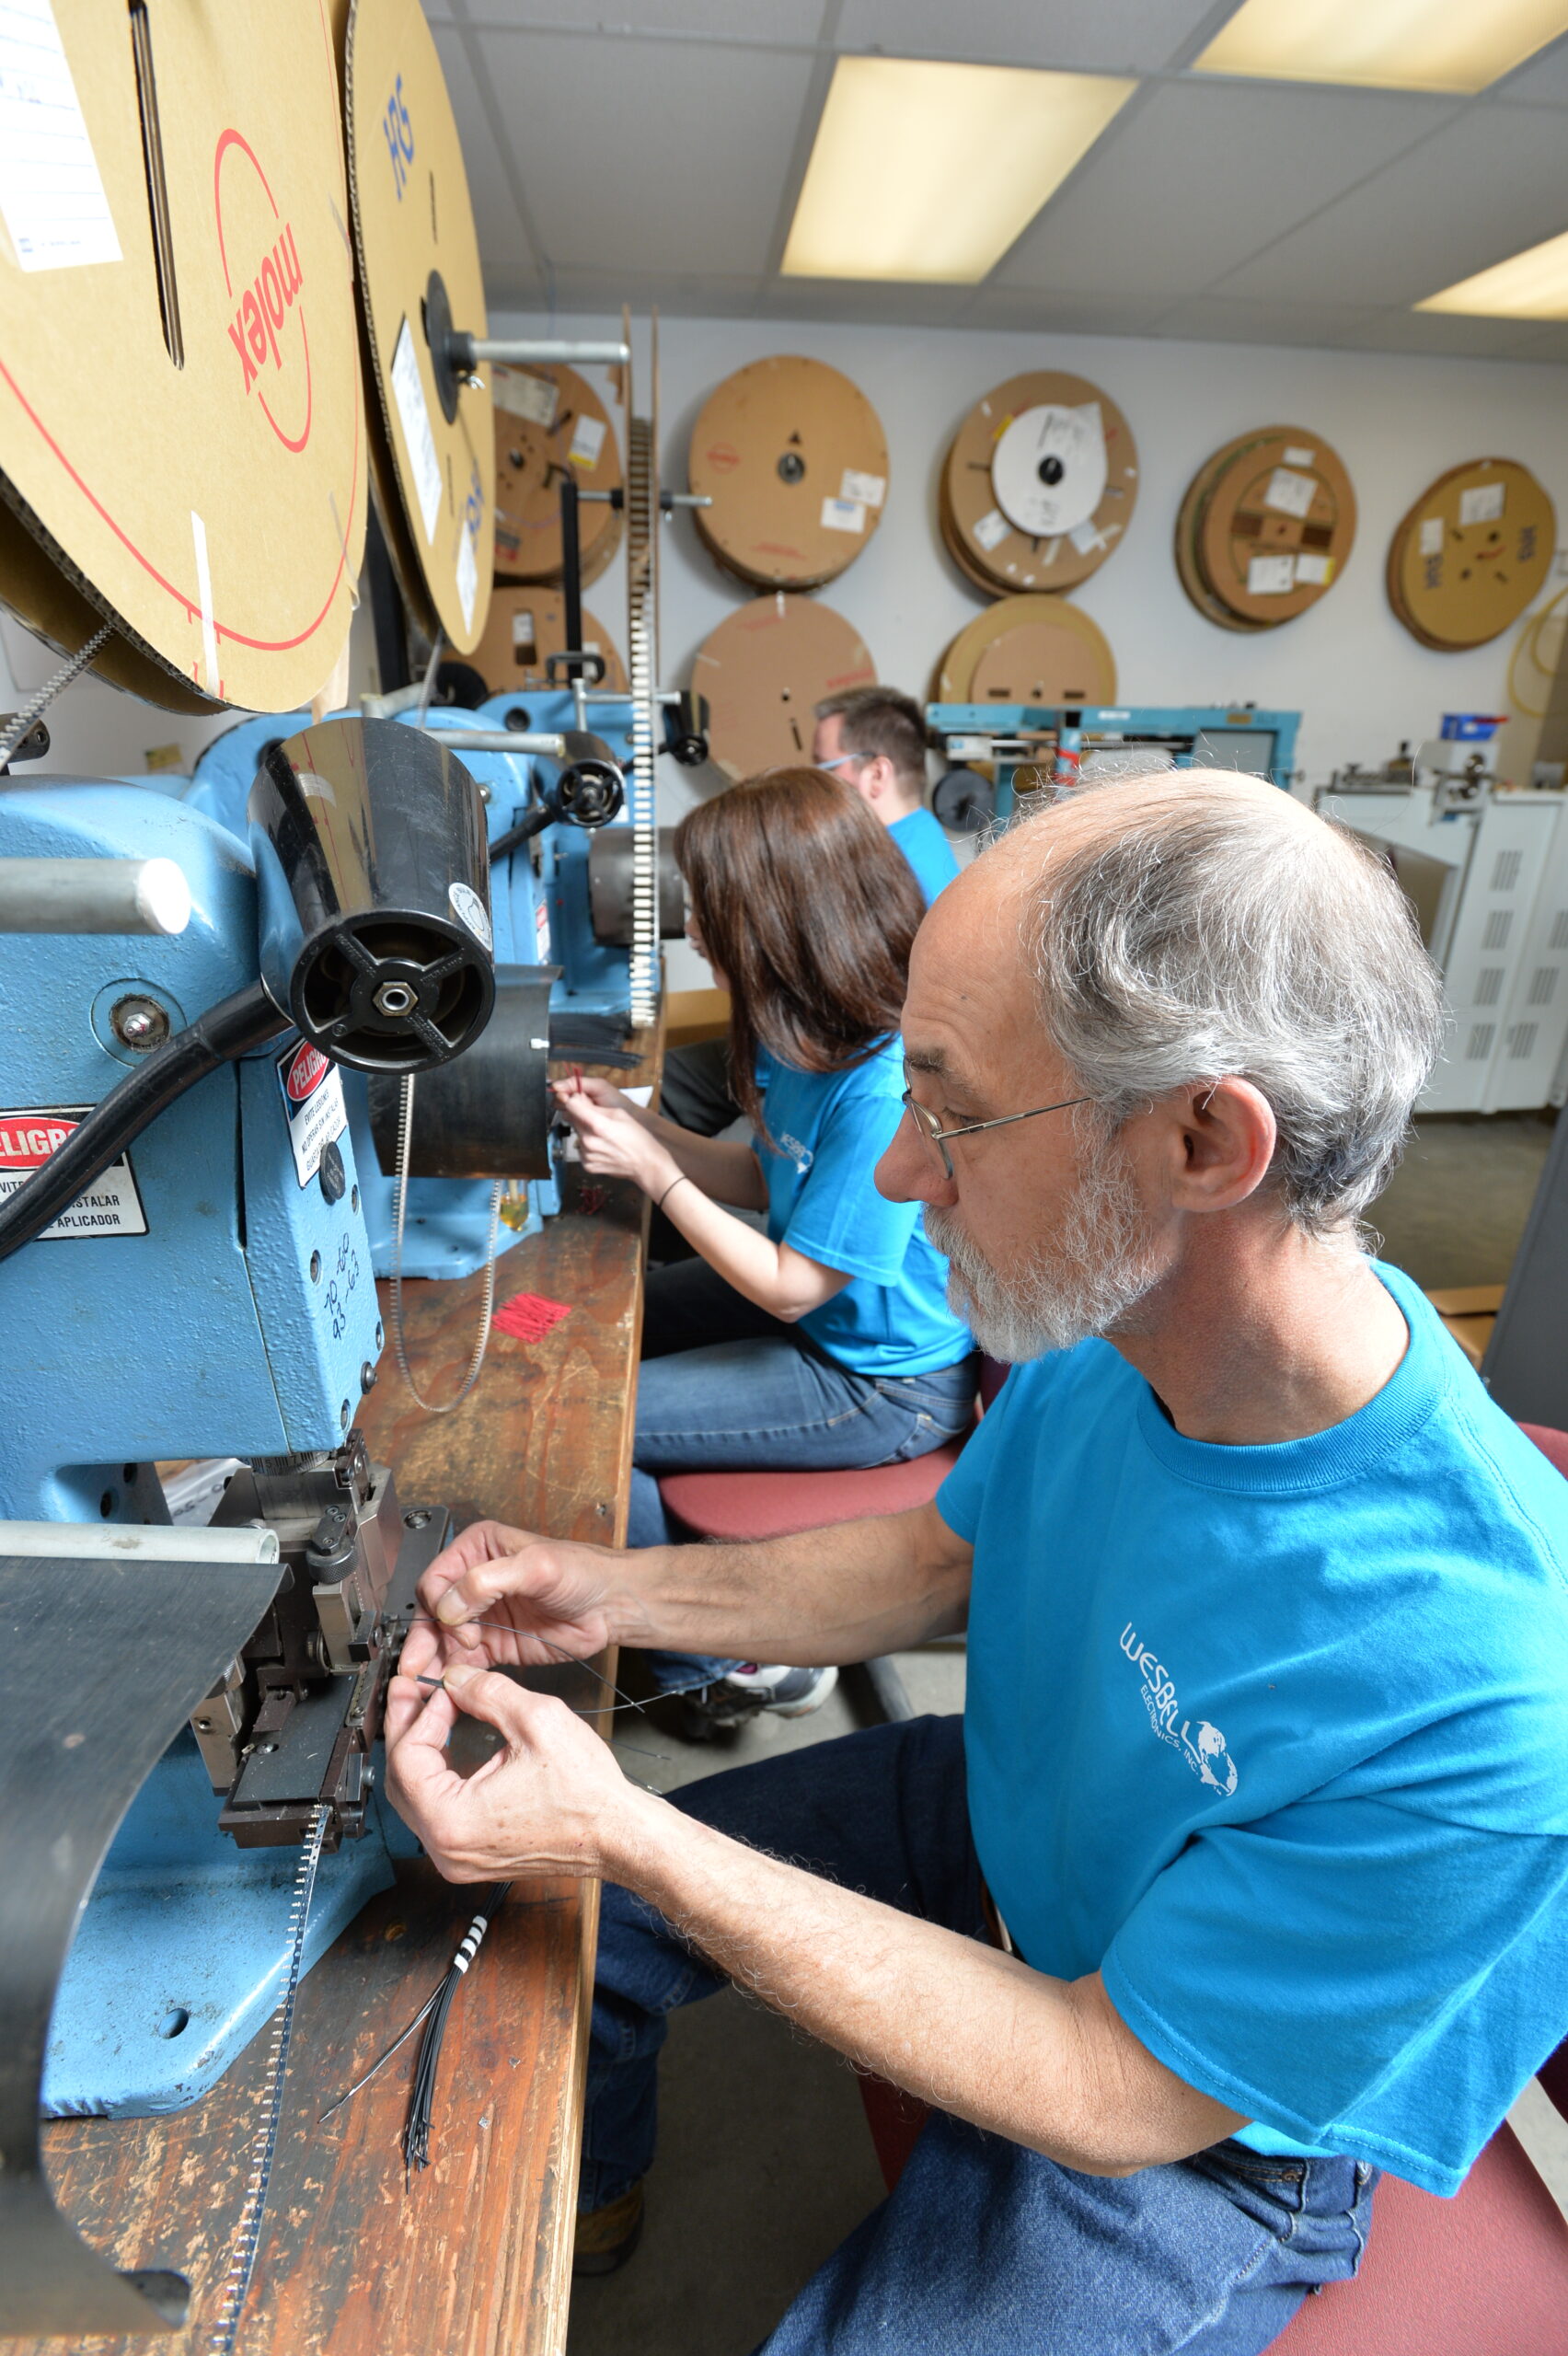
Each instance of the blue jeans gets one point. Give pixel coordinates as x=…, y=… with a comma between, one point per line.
x=985, y=2248
x=724, y=1385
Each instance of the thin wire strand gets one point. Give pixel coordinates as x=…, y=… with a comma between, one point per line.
x=600, y=1709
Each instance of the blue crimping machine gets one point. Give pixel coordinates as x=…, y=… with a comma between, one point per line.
x=1034, y=746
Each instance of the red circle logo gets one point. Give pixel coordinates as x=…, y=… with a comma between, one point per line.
x=306, y=1073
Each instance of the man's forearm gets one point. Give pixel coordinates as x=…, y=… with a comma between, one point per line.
x=846, y=1593
x=1045, y=2063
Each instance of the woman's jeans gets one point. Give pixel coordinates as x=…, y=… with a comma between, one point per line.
x=724, y=1385
x=985, y=2248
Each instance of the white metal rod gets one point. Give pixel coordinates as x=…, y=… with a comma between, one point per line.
x=93, y=895
x=499, y=740
x=521, y=348
x=138, y=1541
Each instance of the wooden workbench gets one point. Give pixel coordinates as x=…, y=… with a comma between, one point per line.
x=475, y=2259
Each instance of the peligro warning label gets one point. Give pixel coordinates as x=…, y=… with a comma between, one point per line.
x=110, y=1206
x=313, y=1092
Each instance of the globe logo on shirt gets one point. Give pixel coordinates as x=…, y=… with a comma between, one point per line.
x=800, y=1155
x=1214, y=1762
x=1204, y=1751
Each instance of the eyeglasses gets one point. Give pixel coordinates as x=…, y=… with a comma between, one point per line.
x=926, y=1126
x=839, y=764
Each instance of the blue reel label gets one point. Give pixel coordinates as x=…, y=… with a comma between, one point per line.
x=110, y=1206
x=312, y=1099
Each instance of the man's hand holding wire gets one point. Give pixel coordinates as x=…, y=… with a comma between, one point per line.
x=498, y=1596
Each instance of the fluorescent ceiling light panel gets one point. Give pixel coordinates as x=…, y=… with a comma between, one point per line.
x=930, y=171
x=1457, y=46
x=1531, y=286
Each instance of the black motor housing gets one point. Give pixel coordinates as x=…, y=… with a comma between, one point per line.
x=488, y=1113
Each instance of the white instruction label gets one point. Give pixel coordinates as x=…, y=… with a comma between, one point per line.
x=408, y=393
x=468, y=578
x=110, y=1206
x=521, y=394
x=1313, y=572
x=1089, y=538
x=843, y=515
x=1290, y=493
x=587, y=440
x=523, y=637
x=1432, y=535
x=467, y=907
x=51, y=191
x=1481, y=506
x=870, y=490
x=312, y=1099
x=992, y=529
x=1300, y=458
x=1271, y=576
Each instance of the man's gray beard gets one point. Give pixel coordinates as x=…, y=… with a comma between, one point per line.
x=1086, y=1279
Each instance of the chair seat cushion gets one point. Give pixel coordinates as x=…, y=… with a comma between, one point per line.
x=738, y=1505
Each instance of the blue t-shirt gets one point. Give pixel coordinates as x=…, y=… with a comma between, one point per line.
x=831, y=1129
x=925, y=845
x=1277, y=1739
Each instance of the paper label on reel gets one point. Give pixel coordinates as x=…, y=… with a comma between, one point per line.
x=1086, y=538
x=110, y=1206
x=468, y=579
x=1314, y=572
x=408, y=393
x=1271, y=576
x=870, y=490
x=313, y=1098
x=1050, y=468
x=521, y=394
x=1432, y=535
x=1289, y=493
x=587, y=440
x=1481, y=506
x=523, y=636
x=467, y=905
x=992, y=529
x=1300, y=458
x=843, y=515
x=50, y=191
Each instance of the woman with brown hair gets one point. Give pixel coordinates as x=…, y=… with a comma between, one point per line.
x=824, y=1340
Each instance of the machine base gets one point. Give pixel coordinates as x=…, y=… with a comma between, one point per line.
x=180, y=1956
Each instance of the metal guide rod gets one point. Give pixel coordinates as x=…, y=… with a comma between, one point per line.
x=525, y=348
x=93, y=895
x=501, y=740
x=142, y=1543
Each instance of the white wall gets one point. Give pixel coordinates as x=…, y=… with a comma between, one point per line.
x=1360, y=681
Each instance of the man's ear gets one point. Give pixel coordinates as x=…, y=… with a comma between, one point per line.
x=1217, y=1144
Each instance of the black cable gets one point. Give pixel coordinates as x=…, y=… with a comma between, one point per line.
x=415, y=2134
x=226, y=1031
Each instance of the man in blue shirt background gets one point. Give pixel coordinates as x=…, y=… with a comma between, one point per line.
x=1245, y=1874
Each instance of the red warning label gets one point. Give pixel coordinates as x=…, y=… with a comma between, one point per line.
x=313, y=1095
x=110, y=1206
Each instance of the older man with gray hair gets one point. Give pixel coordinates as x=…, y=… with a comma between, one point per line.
x=1245, y=1874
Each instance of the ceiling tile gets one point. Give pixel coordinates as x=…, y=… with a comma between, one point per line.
x=511, y=267
x=1545, y=77
x=1028, y=310
x=603, y=292
x=1546, y=339
x=1107, y=35
x=1193, y=180
x=814, y=299
x=1487, y=184
x=684, y=168
x=777, y=20
x=1441, y=332
x=1217, y=318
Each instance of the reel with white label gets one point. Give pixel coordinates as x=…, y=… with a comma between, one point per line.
x=1049, y=470
x=1039, y=486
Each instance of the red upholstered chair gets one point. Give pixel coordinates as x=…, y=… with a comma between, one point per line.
x=1484, y=2274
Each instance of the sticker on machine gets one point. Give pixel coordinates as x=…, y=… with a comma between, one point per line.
x=312, y=1099
x=110, y=1206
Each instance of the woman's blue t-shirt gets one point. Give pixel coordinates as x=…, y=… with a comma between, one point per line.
x=829, y=1131
x=1275, y=1739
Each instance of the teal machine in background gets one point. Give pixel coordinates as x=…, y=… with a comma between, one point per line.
x=1055, y=748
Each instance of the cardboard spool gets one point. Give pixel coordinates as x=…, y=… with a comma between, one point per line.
x=526, y=626
x=1189, y=571
x=1471, y=553
x=1039, y=485
x=182, y=426
x=794, y=459
x=764, y=670
x=1038, y=651
x=1273, y=525
x=419, y=262
x=548, y=420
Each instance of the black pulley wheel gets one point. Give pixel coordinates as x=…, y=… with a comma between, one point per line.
x=964, y=801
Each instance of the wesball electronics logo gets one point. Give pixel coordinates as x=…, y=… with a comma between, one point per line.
x=1205, y=1750
x=265, y=283
x=305, y=1073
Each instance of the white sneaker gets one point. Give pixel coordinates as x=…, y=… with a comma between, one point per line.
x=787, y=1692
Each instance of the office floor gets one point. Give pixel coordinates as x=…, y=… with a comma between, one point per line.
x=765, y=2159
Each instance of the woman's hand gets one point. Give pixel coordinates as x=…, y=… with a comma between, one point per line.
x=613, y=1142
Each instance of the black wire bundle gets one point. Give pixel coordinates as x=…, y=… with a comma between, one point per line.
x=415, y=2134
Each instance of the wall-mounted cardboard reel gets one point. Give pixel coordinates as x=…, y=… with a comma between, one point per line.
x=181, y=430
x=421, y=285
x=764, y=670
x=1039, y=486
x=1188, y=569
x=1040, y=650
x=794, y=460
x=547, y=419
x=1467, y=560
x=1274, y=526
x=526, y=629
x=488, y=1113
